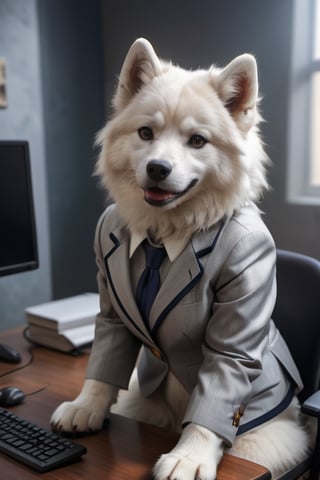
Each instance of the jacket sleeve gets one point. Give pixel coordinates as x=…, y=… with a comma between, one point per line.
x=115, y=349
x=236, y=335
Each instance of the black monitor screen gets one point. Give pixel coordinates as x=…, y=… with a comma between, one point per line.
x=18, y=243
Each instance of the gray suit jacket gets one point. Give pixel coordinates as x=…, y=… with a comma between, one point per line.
x=210, y=322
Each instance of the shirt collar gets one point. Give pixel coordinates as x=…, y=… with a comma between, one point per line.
x=173, y=245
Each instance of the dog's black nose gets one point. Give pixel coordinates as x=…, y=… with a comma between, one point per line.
x=158, y=169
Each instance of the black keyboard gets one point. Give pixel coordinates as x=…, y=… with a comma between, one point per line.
x=34, y=446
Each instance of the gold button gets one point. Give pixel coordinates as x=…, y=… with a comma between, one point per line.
x=156, y=352
x=237, y=416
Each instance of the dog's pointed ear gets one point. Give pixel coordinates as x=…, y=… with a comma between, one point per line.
x=140, y=66
x=238, y=89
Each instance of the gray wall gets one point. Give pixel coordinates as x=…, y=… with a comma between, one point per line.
x=23, y=119
x=73, y=99
x=199, y=33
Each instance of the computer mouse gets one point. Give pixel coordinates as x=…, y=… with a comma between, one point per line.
x=9, y=354
x=11, y=396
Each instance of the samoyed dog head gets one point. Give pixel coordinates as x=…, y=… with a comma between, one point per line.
x=182, y=149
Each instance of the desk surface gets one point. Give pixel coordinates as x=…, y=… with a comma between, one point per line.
x=125, y=449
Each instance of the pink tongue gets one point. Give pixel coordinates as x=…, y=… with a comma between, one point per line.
x=157, y=194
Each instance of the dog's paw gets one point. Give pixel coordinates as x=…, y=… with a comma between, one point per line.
x=72, y=416
x=88, y=411
x=196, y=456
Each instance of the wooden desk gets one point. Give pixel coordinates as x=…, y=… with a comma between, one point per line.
x=125, y=449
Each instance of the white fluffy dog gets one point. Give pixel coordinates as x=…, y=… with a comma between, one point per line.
x=183, y=161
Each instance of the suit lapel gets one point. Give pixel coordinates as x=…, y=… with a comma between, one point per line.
x=184, y=274
x=117, y=267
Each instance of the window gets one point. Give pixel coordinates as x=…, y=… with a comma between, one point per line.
x=304, y=105
x=315, y=112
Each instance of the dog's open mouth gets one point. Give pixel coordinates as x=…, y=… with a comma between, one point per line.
x=158, y=197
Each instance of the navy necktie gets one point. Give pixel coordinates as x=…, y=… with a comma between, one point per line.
x=149, y=282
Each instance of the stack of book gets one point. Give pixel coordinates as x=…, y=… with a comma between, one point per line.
x=65, y=324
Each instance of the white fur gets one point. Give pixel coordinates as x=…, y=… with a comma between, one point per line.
x=196, y=455
x=176, y=103
x=88, y=411
x=221, y=106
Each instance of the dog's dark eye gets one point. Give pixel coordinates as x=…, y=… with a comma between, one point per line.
x=145, y=133
x=197, y=141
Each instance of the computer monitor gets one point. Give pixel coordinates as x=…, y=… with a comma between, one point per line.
x=18, y=239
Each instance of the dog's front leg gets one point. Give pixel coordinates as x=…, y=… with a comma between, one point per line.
x=196, y=456
x=88, y=411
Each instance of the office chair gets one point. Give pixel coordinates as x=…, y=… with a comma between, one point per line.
x=297, y=315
